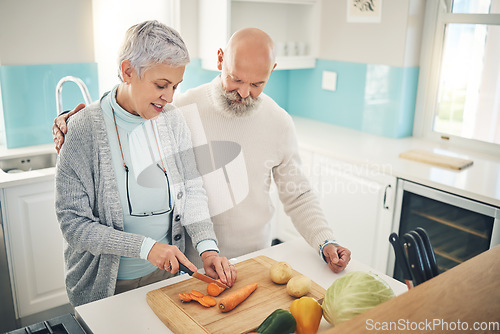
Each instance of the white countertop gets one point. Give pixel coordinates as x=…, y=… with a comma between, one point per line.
x=16, y=179
x=480, y=182
x=130, y=313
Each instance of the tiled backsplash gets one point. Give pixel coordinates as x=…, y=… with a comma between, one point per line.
x=377, y=99
x=29, y=99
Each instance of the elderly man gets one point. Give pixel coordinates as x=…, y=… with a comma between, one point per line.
x=233, y=109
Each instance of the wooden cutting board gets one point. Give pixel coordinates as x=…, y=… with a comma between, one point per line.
x=436, y=159
x=193, y=318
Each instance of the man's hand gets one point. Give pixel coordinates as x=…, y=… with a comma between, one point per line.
x=59, y=129
x=219, y=267
x=337, y=257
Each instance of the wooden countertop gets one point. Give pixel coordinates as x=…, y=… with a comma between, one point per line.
x=466, y=295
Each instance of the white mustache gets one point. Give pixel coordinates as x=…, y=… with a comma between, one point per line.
x=235, y=96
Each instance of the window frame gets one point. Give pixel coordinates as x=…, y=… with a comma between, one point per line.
x=125, y=13
x=437, y=15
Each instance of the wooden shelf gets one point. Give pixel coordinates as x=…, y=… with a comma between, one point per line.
x=284, y=20
x=292, y=63
x=450, y=223
x=447, y=256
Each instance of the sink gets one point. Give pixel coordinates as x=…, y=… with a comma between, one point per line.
x=28, y=162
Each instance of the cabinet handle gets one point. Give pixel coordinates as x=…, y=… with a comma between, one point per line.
x=385, y=196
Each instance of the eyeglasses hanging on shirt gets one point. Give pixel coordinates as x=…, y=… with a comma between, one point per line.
x=161, y=167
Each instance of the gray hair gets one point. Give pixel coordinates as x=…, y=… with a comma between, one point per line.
x=150, y=43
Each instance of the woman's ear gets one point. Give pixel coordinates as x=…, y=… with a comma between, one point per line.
x=220, y=58
x=127, y=70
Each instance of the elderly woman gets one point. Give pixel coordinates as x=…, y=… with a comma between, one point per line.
x=127, y=187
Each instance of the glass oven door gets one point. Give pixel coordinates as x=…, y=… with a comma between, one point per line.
x=458, y=228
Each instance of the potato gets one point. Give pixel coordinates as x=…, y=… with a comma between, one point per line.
x=280, y=272
x=298, y=286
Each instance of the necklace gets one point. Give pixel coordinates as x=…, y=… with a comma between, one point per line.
x=162, y=167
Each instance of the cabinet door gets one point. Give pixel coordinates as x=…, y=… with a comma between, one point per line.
x=35, y=247
x=358, y=204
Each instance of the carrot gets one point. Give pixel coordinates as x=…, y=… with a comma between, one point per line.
x=197, y=293
x=185, y=297
x=203, y=303
x=214, y=290
x=209, y=301
x=229, y=302
x=206, y=301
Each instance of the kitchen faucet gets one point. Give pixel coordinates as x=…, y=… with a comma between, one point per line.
x=81, y=85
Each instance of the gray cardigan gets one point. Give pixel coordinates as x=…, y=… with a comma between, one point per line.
x=89, y=211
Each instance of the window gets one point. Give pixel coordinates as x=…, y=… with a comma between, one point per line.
x=459, y=90
x=112, y=18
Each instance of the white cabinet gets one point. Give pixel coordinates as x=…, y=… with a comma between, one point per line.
x=358, y=203
x=293, y=24
x=35, y=247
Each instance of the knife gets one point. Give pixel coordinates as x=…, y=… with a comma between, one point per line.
x=414, y=259
x=401, y=259
x=430, y=251
x=427, y=273
x=201, y=277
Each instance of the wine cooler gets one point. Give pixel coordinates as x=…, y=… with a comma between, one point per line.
x=459, y=228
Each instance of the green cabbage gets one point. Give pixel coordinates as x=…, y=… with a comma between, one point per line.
x=353, y=294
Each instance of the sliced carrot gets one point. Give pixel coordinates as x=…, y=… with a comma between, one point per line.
x=209, y=300
x=206, y=301
x=202, y=303
x=185, y=297
x=197, y=293
x=229, y=302
x=193, y=297
x=214, y=290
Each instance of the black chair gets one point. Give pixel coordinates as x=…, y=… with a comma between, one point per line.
x=415, y=256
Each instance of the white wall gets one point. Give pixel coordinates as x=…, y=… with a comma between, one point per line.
x=395, y=41
x=189, y=25
x=45, y=32
x=59, y=31
x=110, y=28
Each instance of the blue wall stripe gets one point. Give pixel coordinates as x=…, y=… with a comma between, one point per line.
x=277, y=87
x=377, y=99
x=29, y=102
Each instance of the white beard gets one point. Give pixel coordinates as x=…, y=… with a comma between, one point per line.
x=234, y=104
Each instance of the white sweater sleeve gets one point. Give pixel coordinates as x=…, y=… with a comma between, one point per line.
x=298, y=197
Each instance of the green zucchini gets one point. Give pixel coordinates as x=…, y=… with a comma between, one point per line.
x=278, y=322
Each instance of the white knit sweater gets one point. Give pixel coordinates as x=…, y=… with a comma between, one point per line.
x=268, y=142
